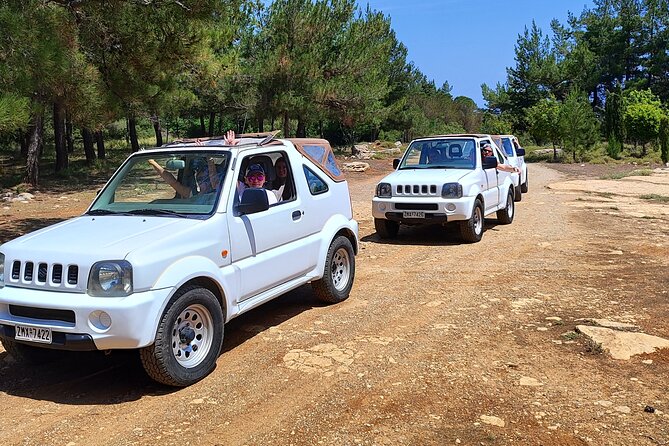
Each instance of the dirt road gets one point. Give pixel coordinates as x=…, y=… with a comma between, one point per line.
x=439, y=343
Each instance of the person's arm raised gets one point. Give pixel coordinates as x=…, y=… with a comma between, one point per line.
x=167, y=176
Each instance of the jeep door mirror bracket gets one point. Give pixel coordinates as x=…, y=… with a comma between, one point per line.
x=396, y=162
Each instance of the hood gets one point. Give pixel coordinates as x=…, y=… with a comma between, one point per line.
x=426, y=176
x=95, y=237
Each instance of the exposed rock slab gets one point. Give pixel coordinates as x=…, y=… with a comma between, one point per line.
x=623, y=344
x=613, y=324
x=355, y=166
x=494, y=421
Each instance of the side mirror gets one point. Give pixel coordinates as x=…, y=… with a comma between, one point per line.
x=253, y=200
x=174, y=164
x=396, y=162
x=489, y=162
x=520, y=152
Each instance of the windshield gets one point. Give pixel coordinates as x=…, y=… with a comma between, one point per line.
x=167, y=184
x=449, y=153
x=508, y=146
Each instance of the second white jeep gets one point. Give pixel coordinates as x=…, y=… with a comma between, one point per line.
x=444, y=179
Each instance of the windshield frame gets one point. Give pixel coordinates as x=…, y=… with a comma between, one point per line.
x=137, y=188
x=417, y=157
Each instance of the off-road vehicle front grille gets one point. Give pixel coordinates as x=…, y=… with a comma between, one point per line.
x=416, y=190
x=43, y=274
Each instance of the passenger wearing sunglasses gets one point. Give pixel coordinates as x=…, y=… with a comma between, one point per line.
x=486, y=150
x=255, y=179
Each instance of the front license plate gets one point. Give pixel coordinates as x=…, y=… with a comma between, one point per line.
x=33, y=334
x=413, y=214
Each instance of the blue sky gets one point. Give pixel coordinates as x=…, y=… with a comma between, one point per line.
x=468, y=42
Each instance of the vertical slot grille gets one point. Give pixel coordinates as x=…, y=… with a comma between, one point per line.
x=41, y=272
x=57, y=273
x=16, y=270
x=72, y=274
x=28, y=273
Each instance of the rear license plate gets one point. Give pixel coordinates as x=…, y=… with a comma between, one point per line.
x=33, y=334
x=413, y=214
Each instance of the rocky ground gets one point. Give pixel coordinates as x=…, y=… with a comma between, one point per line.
x=550, y=331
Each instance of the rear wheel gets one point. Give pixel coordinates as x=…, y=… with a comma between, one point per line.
x=28, y=354
x=337, y=281
x=386, y=228
x=517, y=193
x=188, y=341
x=471, y=230
x=505, y=216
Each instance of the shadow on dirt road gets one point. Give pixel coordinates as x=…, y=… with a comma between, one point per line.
x=83, y=378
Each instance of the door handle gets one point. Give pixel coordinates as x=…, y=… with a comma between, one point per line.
x=297, y=215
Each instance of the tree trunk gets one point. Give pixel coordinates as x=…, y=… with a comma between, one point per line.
x=87, y=136
x=68, y=134
x=158, y=130
x=212, y=118
x=301, y=131
x=554, y=152
x=127, y=131
x=220, y=124
x=320, y=129
x=261, y=124
x=132, y=130
x=24, y=140
x=100, y=142
x=59, y=136
x=286, y=125
x=203, y=130
x=32, y=159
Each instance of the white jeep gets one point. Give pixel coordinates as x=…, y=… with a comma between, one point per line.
x=153, y=269
x=516, y=156
x=444, y=179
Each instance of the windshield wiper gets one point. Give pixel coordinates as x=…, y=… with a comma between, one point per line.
x=100, y=212
x=153, y=212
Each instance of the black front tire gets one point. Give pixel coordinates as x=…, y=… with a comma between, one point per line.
x=505, y=216
x=28, y=354
x=337, y=281
x=386, y=228
x=189, y=339
x=471, y=230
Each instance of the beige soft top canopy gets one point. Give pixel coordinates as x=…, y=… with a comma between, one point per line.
x=320, y=153
x=317, y=150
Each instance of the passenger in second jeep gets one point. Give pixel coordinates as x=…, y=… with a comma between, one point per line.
x=486, y=151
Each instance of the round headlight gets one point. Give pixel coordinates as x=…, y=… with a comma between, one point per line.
x=109, y=276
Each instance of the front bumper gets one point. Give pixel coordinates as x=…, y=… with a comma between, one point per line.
x=134, y=318
x=437, y=209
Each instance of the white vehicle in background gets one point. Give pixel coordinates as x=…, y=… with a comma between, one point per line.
x=151, y=269
x=516, y=156
x=441, y=180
